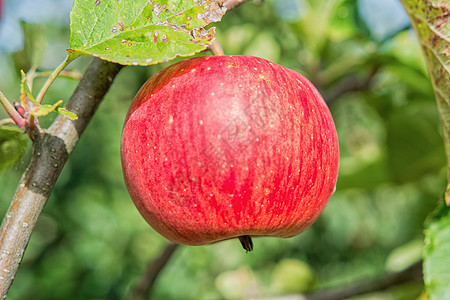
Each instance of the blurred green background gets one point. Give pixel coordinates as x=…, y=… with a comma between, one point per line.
x=91, y=243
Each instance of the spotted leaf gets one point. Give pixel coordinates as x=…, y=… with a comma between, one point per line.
x=142, y=32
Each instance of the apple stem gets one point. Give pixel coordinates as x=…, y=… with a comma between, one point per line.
x=246, y=242
x=215, y=48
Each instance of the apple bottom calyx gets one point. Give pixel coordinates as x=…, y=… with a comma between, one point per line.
x=246, y=242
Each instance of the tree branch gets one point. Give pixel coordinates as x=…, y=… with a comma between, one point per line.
x=51, y=149
x=413, y=273
x=351, y=84
x=143, y=288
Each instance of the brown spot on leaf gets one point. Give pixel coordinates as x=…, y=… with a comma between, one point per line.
x=213, y=13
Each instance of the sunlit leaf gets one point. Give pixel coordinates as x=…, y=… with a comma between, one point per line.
x=66, y=114
x=436, y=255
x=36, y=109
x=43, y=110
x=12, y=146
x=142, y=32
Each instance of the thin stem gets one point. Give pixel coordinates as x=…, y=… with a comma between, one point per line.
x=215, y=48
x=6, y=122
x=12, y=112
x=66, y=74
x=52, y=77
x=385, y=282
x=230, y=4
x=154, y=268
x=350, y=84
x=413, y=273
x=31, y=74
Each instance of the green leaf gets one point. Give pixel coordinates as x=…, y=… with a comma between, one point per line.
x=35, y=44
x=12, y=146
x=437, y=254
x=66, y=114
x=142, y=32
x=25, y=93
x=39, y=110
x=43, y=110
x=430, y=21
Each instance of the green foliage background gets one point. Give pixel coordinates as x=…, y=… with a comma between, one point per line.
x=91, y=243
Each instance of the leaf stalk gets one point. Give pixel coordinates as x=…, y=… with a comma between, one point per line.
x=53, y=76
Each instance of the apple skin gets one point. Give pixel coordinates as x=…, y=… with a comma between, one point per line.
x=220, y=147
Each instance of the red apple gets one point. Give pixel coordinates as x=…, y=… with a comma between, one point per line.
x=223, y=147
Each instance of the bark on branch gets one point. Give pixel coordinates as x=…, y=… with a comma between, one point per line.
x=51, y=149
